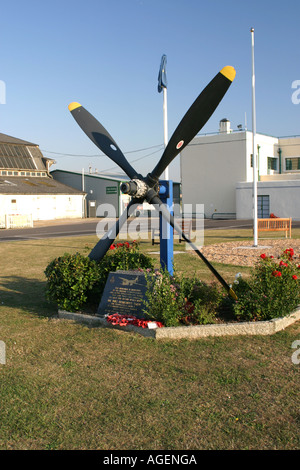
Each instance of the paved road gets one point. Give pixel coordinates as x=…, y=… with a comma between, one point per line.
x=80, y=227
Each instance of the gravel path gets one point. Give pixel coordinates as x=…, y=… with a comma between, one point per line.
x=245, y=254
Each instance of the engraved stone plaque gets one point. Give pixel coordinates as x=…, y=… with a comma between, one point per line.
x=124, y=293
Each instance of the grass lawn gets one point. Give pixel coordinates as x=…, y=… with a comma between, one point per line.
x=68, y=386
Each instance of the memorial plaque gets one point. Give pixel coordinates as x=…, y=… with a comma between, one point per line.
x=124, y=293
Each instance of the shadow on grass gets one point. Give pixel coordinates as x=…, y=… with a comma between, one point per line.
x=28, y=295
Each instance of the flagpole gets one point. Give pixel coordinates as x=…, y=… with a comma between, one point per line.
x=254, y=144
x=165, y=113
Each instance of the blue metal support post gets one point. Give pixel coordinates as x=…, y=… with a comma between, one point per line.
x=165, y=229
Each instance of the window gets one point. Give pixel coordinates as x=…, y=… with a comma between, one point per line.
x=272, y=163
x=292, y=164
x=263, y=206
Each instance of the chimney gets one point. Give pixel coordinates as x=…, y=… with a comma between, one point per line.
x=224, y=126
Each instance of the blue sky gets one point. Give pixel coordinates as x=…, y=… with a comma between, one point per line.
x=106, y=55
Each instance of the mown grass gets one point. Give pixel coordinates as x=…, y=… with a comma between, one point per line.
x=68, y=386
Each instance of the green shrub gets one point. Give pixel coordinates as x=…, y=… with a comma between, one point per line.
x=74, y=281
x=175, y=300
x=70, y=280
x=124, y=257
x=272, y=291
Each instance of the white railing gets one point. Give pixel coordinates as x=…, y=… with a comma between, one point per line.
x=16, y=220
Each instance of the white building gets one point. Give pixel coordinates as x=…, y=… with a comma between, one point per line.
x=27, y=189
x=104, y=189
x=217, y=171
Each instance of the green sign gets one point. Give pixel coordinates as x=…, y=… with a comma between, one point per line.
x=111, y=190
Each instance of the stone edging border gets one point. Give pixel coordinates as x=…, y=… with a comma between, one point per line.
x=192, y=332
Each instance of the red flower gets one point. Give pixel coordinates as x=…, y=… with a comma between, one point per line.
x=283, y=264
x=289, y=252
x=294, y=276
x=263, y=256
x=112, y=247
x=127, y=244
x=276, y=274
x=123, y=320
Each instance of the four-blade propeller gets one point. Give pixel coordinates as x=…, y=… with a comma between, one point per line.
x=147, y=188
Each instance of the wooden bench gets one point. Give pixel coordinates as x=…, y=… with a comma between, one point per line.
x=186, y=227
x=275, y=225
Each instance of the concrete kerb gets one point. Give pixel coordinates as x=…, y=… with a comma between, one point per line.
x=194, y=331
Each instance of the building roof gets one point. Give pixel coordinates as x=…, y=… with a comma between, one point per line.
x=7, y=139
x=34, y=185
x=105, y=176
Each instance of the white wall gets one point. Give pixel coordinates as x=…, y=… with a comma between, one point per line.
x=212, y=165
x=43, y=207
x=210, y=168
x=284, y=198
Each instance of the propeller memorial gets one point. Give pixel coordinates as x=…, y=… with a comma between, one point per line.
x=146, y=188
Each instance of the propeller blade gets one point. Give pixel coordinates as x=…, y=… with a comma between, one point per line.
x=100, y=137
x=156, y=201
x=104, y=244
x=196, y=117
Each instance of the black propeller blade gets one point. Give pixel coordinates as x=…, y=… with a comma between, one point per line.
x=156, y=201
x=101, y=138
x=147, y=188
x=196, y=117
x=105, y=242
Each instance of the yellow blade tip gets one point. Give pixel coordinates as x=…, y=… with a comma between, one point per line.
x=232, y=294
x=73, y=105
x=228, y=72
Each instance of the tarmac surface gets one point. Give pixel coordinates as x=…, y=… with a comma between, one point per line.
x=92, y=226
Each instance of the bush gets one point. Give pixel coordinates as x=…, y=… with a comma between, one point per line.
x=175, y=300
x=272, y=291
x=70, y=280
x=74, y=281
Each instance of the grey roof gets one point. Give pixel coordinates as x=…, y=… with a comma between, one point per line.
x=108, y=176
x=34, y=185
x=7, y=139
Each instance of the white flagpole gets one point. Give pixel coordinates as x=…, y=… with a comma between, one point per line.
x=254, y=144
x=165, y=113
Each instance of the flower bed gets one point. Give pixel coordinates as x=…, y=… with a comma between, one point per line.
x=125, y=320
x=272, y=291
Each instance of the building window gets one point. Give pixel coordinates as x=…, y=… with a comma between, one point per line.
x=263, y=207
x=272, y=163
x=292, y=164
